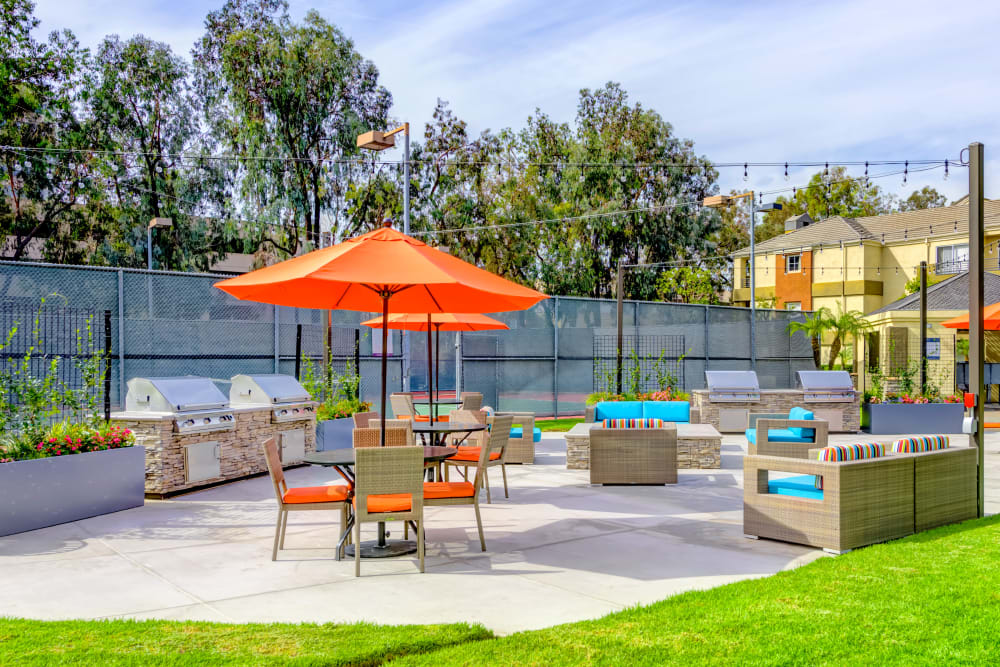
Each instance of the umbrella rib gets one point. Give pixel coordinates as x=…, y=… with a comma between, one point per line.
x=427, y=289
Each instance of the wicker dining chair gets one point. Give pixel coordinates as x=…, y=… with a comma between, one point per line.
x=471, y=400
x=402, y=406
x=388, y=486
x=372, y=437
x=300, y=498
x=406, y=424
x=439, y=494
x=361, y=419
x=467, y=457
x=476, y=439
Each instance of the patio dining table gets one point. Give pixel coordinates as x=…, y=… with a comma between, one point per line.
x=342, y=460
x=440, y=430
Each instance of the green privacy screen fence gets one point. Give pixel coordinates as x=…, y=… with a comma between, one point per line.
x=166, y=323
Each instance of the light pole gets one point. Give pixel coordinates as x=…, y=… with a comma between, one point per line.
x=155, y=222
x=379, y=141
x=719, y=201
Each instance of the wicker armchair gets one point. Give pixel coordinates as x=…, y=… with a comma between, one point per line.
x=361, y=419
x=770, y=426
x=471, y=400
x=633, y=455
x=862, y=502
x=364, y=438
x=522, y=449
x=388, y=485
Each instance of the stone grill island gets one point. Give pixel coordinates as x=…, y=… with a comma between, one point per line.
x=732, y=395
x=196, y=436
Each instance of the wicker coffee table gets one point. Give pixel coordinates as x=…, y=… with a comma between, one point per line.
x=698, y=446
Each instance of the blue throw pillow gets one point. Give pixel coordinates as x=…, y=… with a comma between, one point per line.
x=668, y=411
x=618, y=410
x=802, y=414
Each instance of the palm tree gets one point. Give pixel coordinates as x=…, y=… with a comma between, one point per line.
x=852, y=323
x=814, y=327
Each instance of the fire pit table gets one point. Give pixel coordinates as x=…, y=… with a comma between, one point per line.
x=698, y=446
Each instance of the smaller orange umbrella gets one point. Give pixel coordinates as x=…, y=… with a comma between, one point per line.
x=991, y=319
x=439, y=322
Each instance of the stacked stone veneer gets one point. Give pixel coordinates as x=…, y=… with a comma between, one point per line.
x=694, y=452
x=777, y=401
x=241, y=453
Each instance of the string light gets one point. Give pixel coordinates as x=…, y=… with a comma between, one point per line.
x=945, y=170
x=746, y=174
x=906, y=169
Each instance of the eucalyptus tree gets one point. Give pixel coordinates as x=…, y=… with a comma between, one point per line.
x=288, y=100
x=43, y=181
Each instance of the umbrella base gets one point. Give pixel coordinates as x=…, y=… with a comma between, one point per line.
x=371, y=549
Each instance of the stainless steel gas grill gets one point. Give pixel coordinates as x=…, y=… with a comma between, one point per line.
x=732, y=386
x=826, y=386
x=195, y=403
x=287, y=399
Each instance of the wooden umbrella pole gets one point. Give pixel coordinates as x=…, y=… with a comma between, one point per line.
x=385, y=347
x=437, y=357
x=430, y=374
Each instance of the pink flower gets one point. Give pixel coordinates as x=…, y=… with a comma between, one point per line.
x=39, y=445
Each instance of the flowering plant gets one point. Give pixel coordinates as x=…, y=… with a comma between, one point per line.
x=65, y=439
x=911, y=399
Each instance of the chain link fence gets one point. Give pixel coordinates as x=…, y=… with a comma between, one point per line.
x=167, y=324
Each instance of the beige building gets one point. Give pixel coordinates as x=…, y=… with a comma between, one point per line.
x=861, y=264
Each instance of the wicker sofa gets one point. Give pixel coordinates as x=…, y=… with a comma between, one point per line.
x=633, y=455
x=791, y=435
x=668, y=411
x=862, y=502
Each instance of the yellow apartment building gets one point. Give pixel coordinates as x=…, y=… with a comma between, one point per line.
x=863, y=264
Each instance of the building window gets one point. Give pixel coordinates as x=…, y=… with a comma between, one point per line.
x=793, y=305
x=952, y=258
x=746, y=273
x=793, y=263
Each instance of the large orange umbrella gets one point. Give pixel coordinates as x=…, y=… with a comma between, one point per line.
x=368, y=272
x=991, y=319
x=438, y=322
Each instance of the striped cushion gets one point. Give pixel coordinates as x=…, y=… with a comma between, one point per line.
x=853, y=452
x=926, y=443
x=632, y=423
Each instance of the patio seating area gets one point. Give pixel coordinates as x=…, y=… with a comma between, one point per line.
x=556, y=552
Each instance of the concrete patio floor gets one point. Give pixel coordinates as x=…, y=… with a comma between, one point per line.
x=559, y=550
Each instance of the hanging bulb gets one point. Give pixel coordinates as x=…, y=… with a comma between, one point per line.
x=905, y=232
x=945, y=170
x=794, y=191
x=826, y=171
x=878, y=270
x=897, y=270
x=906, y=169
x=746, y=174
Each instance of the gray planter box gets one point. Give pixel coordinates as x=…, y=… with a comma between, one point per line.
x=335, y=434
x=916, y=418
x=58, y=489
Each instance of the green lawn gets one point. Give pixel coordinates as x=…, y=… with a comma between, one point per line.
x=26, y=642
x=929, y=599
x=557, y=424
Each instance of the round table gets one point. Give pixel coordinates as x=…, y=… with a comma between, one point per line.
x=438, y=430
x=438, y=404
x=342, y=460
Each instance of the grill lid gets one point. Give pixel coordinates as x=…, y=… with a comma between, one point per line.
x=267, y=389
x=825, y=381
x=730, y=381
x=174, y=394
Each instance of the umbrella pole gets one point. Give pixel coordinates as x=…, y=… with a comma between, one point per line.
x=437, y=357
x=385, y=347
x=430, y=368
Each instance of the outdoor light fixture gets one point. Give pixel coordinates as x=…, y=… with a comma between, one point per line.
x=155, y=222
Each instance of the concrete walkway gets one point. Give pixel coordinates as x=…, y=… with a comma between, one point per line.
x=558, y=550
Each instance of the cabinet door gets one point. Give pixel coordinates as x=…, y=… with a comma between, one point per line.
x=293, y=446
x=733, y=420
x=202, y=461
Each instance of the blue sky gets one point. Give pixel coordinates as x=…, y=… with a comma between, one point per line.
x=761, y=81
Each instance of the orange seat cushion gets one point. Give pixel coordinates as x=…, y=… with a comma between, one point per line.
x=316, y=494
x=425, y=418
x=387, y=502
x=448, y=490
x=471, y=454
